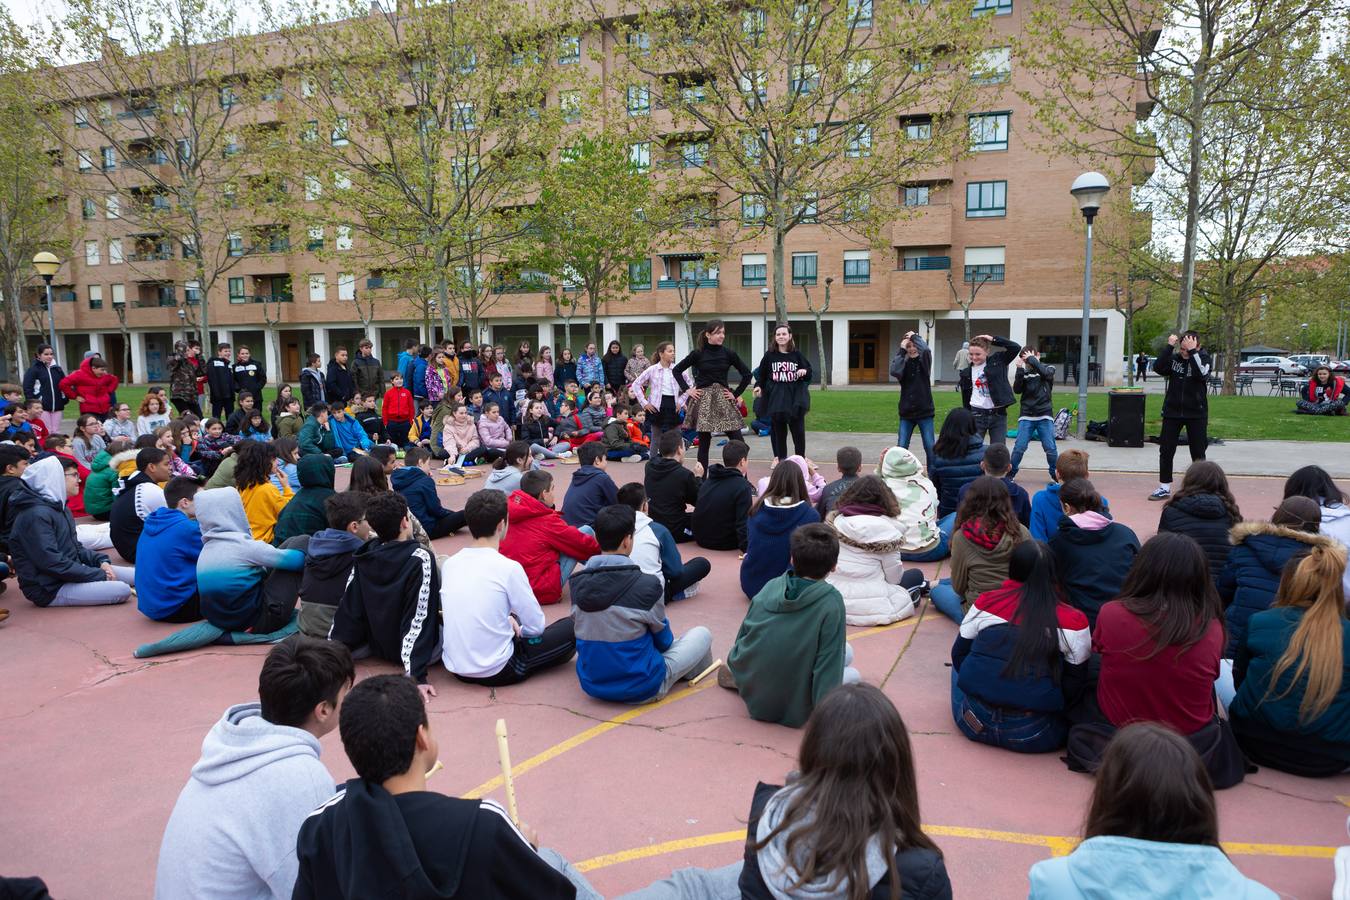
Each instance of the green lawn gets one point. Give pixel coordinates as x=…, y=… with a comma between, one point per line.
x=1230, y=418
x=844, y=410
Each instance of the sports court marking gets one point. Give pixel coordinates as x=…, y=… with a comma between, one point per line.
x=627, y=716
x=1058, y=845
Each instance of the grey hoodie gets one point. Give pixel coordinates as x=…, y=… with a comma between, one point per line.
x=232, y=565
x=781, y=877
x=232, y=832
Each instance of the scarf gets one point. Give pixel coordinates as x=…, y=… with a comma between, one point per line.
x=862, y=509
x=977, y=534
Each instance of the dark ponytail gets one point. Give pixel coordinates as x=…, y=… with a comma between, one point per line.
x=1037, y=646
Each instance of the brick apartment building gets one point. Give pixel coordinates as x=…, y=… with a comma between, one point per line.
x=1002, y=213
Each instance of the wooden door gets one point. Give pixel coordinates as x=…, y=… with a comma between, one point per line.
x=864, y=350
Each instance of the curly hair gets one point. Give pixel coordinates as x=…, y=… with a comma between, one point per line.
x=254, y=466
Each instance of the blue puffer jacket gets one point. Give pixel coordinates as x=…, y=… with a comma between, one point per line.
x=950, y=475
x=1251, y=576
x=768, y=535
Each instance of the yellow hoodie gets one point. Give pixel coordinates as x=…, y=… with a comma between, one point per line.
x=263, y=503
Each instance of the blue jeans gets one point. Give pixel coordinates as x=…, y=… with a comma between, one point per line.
x=925, y=434
x=947, y=600
x=946, y=525
x=1026, y=431
x=1021, y=731
x=941, y=550
x=566, y=563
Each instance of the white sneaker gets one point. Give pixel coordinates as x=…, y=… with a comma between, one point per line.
x=1161, y=493
x=691, y=591
x=1341, y=889
x=632, y=457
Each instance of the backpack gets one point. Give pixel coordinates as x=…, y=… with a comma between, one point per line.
x=1062, y=423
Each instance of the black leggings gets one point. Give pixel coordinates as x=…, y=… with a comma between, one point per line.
x=779, y=427
x=705, y=441
x=1197, y=439
x=185, y=406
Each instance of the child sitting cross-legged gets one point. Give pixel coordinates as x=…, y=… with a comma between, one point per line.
x=171, y=543
x=626, y=651
x=244, y=584
x=871, y=574
x=541, y=540
x=790, y=650
x=413, y=480
x=654, y=548
x=617, y=443
x=385, y=831
x=393, y=598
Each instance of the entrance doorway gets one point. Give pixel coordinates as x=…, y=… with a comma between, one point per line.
x=864, y=352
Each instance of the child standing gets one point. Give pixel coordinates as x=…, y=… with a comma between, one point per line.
x=913, y=368
x=1036, y=418
x=397, y=411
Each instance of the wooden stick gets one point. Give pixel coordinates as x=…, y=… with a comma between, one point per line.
x=436, y=768
x=708, y=671
x=504, y=754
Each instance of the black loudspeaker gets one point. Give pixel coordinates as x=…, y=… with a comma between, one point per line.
x=1125, y=419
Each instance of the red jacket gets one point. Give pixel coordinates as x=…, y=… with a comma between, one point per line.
x=397, y=406
x=75, y=502
x=535, y=535
x=97, y=392
x=1310, y=392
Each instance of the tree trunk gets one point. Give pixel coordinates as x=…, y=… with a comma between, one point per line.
x=779, y=286
x=688, y=328
x=1197, y=135
x=593, y=309
x=1129, y=342
x=965, y=313
x=1233, y=339
x=205, y=312
x=126, y=355
x=18, y=333
x=820, y=354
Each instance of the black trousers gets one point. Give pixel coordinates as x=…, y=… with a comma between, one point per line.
x=280, y=592
x=554, y=647
x=695, y=570
x=190, y=611
x=705, y=442
x=664, y=419
x=398, y=433
x=221, y=409
x=1197, y=439
x=446, y=524
x=779, y=427
x=186, y=406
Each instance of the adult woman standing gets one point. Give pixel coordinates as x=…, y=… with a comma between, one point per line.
x=614, y=363
x=782, y=378
x=659, y=392
x=714, y=403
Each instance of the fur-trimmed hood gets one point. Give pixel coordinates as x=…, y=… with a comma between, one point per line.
x=868, y=533
x=1243, y=530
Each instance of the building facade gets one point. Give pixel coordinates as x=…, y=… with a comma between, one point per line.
x=999, y=219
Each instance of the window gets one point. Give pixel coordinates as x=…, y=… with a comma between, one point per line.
x=986, y=199
x=318, y=288
x=346, y=286
x=753, y=208
x=639, y=100
x=112, y=207
x=341, y=181
x=105, y=113
x=189, y=245
x=993, y=66
x=570, y=104
x=754, y=85
x=237, y=290
x=234, y=241
x=569, y=50
x=858, y=72
x=309, y=132
x=119, y=295
x=997, y=7
x=754, y=270
x=804, y=79
x=803, y=268
x=108, y=158
x=91, y=253
x=81, y=117
x=753, y=22
x=639, y=42
x=228, y=97
x=88, y=210
x=278, y=238
x=232, y=146
x=343, y=238
x=640, y=275
x=315, y=240
x=85, y=161
x=640, y=155
x=183, y=147
x=753, y=144
x=115, y=256
x=917, y=195
x=805, y=136
x=918, y=128
x=462, y=116
x=808, y=211
x=983, y=264
x=857, y=267
x=860, y=13
x=338, y=137
x=859, y=141
x=313, y=188
x=693, y=154
x=988, y=131
x=192, y=291
x=95, y=296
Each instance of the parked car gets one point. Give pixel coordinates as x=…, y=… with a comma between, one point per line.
x=1270, y=364
x=1310, y=361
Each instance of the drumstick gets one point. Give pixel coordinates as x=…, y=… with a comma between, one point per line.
x=706, y=672
x=434, y=769
x=504, y=754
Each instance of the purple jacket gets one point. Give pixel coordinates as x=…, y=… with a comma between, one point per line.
x=494, y=435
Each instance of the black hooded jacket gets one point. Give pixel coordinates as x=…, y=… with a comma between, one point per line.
x=46, y=551
x=1187, y=383
x=670, y=488
x=1035, y=383
x=724, y=500
x=995, y=371
x=915, y=376
x=393, y=603
x=1205, y=519
x=421, y=845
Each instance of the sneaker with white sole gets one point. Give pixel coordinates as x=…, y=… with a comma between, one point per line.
x=1160, y=494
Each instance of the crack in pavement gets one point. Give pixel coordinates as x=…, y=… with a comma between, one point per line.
x=1333, y=801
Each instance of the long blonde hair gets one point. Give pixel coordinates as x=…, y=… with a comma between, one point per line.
x=1313, y=583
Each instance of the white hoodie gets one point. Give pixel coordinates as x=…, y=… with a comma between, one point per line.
x=1336, y=524
x=232, y=832
x=868, y=572
x=646, y=554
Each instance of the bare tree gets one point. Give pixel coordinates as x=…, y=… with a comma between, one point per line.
x=817, y=312
x=966, y=302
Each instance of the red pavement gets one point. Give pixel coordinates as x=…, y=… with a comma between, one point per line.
x=98, y=744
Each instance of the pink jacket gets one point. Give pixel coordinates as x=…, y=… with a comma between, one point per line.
x=459, y=439
x=494, y=435
x=814, y=486
x=543, y=371
x=650, y=386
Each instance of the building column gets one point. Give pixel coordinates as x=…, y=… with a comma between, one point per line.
x=544, y=338
x=95, y=344
x=1017, y=327
x=682, y=347
x=758, y=340
x=223, y=336
x=839, y=344
x=1113, y=352
x=321, y=345
x=272, y=357
x=137, y=358
x=609, y=331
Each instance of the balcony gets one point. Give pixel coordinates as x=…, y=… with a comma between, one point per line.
x=927, y=264
x=672, y=283
x=262, y=298
x=920, y=289
x=929, y=226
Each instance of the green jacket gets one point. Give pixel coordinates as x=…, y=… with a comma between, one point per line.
x=615, y=436
x=224, y=474
x=305, y=513
x=98, y=487
x=789, y=652
x=315, y=439
x=287, y=426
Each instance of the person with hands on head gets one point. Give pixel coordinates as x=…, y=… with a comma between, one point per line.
x=782, y=379
x=1036, y=418
x=1186, y=368
x=913, y=368
x=985, y=390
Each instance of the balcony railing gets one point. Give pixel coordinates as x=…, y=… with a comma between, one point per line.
x=691, y=282
x=154, y=302
x=262, y=298
x=151, y=256
x=926, y=263
x=528, y=286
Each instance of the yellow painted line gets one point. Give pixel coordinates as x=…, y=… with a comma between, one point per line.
x=1058, y=845
x=878, y=629
x=578, y=739
x=1344, y=799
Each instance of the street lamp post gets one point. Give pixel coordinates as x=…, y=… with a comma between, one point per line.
x=1089, y=189
x=46, y=265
